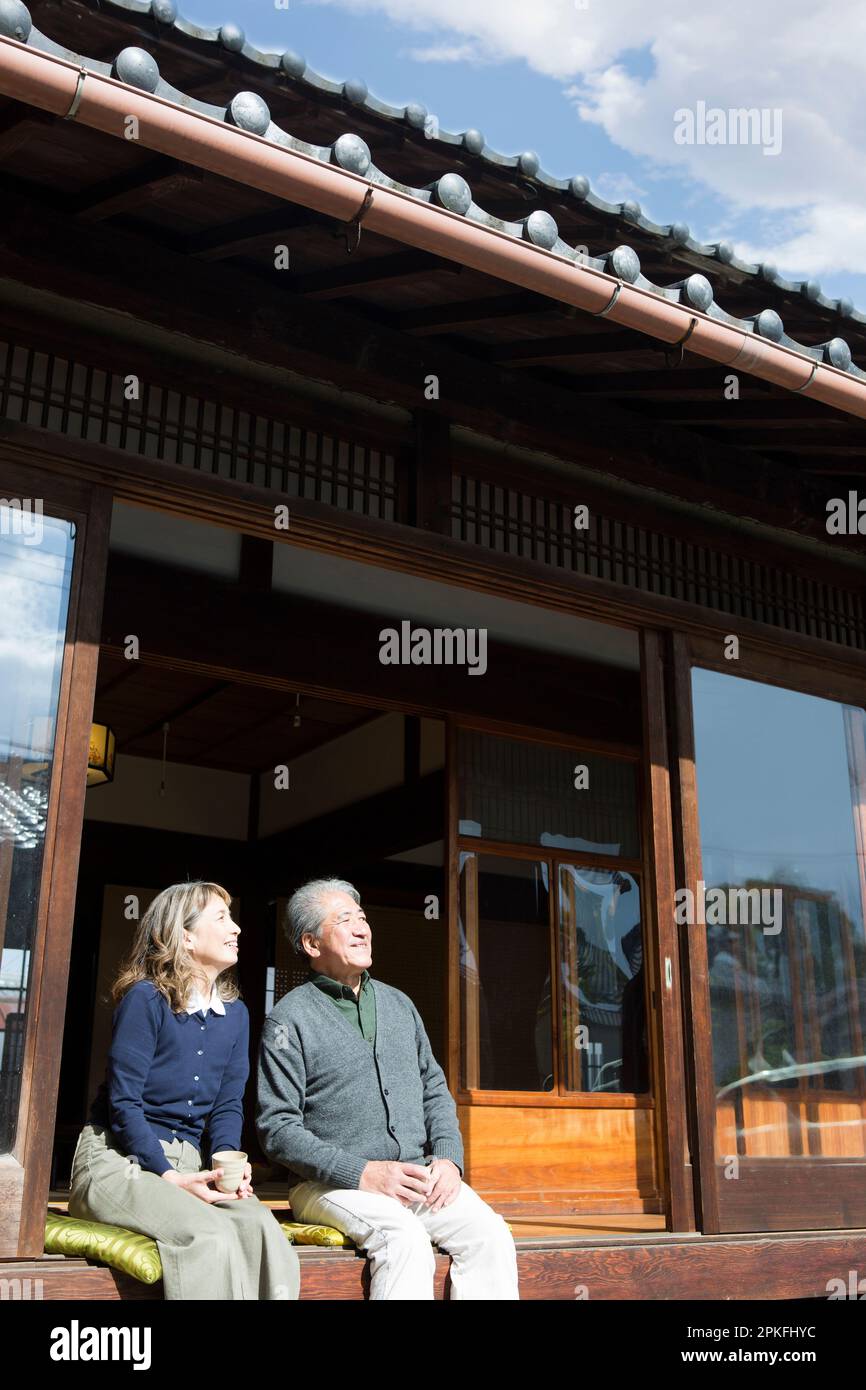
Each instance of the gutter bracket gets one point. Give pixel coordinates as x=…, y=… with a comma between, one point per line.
x=76, y=96
x=353, y=228
x=674, y=354
x=602, y=313
x=807, y=384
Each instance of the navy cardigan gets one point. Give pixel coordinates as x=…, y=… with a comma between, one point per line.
x=170, y=1074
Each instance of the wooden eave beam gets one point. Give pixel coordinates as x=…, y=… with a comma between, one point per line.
x=379, y=270
x=129, y=276
x=590, y=344
x=443, y=318
x=159, y=178
x=18, y=123
x=247, y=235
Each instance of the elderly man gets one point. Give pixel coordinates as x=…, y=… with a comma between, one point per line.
x=353, y=1102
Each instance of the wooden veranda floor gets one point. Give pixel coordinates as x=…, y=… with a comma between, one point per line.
x=560, y=1257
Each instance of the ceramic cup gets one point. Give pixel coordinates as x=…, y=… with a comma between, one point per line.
x=232, y=1162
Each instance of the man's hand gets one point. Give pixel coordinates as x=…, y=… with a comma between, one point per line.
x=446, y=1183
x=408, y=1182
x=197, y=1184
x=245, y=1187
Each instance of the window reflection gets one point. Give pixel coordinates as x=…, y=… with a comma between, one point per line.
x=505, y=974
x=782, y=806
x=35, y=570
x=604, y=1038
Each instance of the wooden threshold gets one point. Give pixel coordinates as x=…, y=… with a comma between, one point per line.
x=661, y=1266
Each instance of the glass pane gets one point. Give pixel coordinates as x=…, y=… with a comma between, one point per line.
x=526, y=793
x=604, y=1024
x=782, y=805
x=505, y=974
x=35, y=568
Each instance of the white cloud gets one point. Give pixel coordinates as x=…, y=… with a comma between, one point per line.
x=618, y=187
x=448, y=53
x=804, y=58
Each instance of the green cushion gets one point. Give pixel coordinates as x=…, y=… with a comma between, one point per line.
x=303, y=1234
x=112, y=1245
x=138, y=1255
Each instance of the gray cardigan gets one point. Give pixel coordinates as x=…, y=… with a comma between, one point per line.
x=329, y=1102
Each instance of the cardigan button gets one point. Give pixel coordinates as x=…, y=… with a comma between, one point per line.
x=386, y=1091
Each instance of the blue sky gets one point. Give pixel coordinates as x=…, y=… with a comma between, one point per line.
x=593, y=86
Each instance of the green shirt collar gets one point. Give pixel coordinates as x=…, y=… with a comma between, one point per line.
x=335, y=988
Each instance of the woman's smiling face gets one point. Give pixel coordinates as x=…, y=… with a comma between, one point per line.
x=213, y=941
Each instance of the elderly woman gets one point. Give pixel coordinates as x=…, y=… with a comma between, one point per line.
x=179, y=1062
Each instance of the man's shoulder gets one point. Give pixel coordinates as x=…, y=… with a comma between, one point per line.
x=295, y=1005
x=389, y=994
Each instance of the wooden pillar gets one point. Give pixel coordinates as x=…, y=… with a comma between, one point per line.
x=430, y=478
x=671, y=1072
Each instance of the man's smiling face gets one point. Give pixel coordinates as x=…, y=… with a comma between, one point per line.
x=344, y=948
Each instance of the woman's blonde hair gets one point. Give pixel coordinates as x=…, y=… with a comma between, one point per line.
x=158, y=953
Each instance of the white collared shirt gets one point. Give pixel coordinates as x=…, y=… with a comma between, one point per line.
x=197, y=1001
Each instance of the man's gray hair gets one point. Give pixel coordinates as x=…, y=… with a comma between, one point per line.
x=304, y=912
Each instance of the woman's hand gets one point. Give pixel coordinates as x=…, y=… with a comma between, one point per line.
x=197, y=1184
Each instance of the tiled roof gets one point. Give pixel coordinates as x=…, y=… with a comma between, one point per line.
x=248, y=110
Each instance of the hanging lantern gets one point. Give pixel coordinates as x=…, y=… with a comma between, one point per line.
x=100, y=759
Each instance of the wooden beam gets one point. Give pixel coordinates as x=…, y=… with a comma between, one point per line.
x=769, y=411
x=406, y=550
x=468, y=313
x=847, y=443
x=188, y=707
x=431, y=477
x=247, y=235
x=526, y=687
x=257, y=564
x=676, y=381
x=128, y=275
x=144, y=184
x=18, y=123
x=670, y=1082
x=378, y=270
x=589, y=344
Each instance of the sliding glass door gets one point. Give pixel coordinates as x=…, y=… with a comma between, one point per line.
x=53, y=544
x=553, y=994
x=774, y=908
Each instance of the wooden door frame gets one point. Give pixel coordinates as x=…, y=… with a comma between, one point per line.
x=674, y=1102
x=654, y=868
x=25, y=1172
x=790, y=672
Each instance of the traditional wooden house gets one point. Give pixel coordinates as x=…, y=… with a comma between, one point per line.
x=394, y=509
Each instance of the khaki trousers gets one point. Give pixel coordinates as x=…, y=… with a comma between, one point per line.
x=397, y=1241
x=208, y=1251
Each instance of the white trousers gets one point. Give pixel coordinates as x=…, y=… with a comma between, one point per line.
x=397, y=1240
